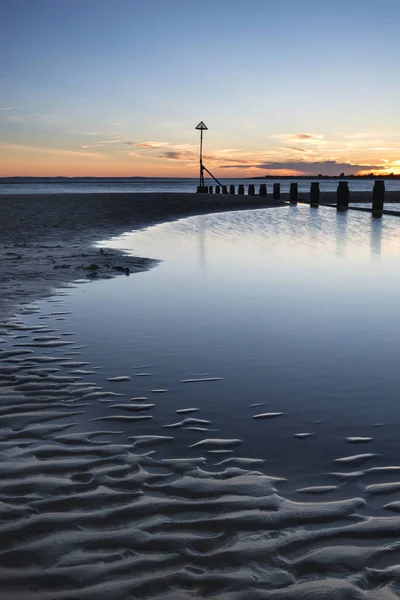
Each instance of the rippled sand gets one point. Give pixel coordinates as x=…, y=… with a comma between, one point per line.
x=89, y=514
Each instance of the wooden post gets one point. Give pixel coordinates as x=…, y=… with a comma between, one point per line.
x=378, y=198
x=199, y=189
x=205, y=189
x=241, y=190
x=224, y=189
x=342, y=196
x=210, y=189
x=231, y=189
x=217, y=189
x=314, y=194
x=251, y=189
x=277, y=191
x=294, y=193
x=263, y=190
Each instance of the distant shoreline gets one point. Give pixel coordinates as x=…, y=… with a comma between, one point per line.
x=89, y=179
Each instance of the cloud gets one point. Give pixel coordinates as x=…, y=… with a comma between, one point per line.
x=110, y=141
x=93, y=133
x=295, y=148
x=309, y=138
x=21, y=119
x=326, y=167
x=148, y=145
x=177, y=155
x=9, y=108
x=52, y=151
x=154, y=145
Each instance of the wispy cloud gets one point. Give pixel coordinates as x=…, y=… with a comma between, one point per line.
x=9, y=108
x=93, y=133
x=53, y=151
x=310, y=138
x=32, y=117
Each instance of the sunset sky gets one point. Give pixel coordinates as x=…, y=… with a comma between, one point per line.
x=116, y=88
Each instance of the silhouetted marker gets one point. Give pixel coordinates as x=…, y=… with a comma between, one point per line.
x=217, y=189
x=231, y=189
x=293, y=193
x=378, y=198
x=251, y=190
x=263, y=190
x=202, y=127
x=241, y=190
x=224, y=189
x=314, y=194
x=277, y=191
x=342, y=196
x=210, y=189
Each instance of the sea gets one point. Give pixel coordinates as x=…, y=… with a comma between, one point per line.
x=177, y=185
x=224, y=425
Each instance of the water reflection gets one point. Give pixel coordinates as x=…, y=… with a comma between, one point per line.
x=341, y=232
x=376, y=238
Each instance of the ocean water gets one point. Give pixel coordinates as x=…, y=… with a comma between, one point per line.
x=149, y=185
x=224, y=425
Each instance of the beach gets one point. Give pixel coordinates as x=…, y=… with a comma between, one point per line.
x=157, y=439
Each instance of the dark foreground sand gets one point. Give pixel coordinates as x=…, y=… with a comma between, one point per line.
x=47, y=240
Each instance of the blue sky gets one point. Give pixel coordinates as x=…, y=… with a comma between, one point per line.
x=116, y=88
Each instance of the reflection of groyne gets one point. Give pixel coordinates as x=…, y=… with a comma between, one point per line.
x=343, y=195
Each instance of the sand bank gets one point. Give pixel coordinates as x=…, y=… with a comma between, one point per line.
x=47, y=240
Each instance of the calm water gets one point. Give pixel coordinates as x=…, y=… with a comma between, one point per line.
x=292, y=308
x=172, y=185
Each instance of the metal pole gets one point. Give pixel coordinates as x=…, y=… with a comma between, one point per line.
x=201, y=159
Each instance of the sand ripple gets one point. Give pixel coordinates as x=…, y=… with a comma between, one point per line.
x=85, y=516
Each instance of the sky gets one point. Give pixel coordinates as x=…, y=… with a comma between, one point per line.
x=117, y=87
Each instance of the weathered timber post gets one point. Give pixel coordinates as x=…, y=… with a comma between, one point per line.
x=224, y=189
x=217, y=189
x=378, y=198
x=251, y=190
x=231, y=189
x=241, y=190
x=314, y=194
x=293, y=193
x=277, y=191
x=342, y=196
x=199, y=189
x=263, y=190
x=210, y=189
x=205, y=189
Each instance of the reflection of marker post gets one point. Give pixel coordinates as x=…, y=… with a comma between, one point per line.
x=202, y=127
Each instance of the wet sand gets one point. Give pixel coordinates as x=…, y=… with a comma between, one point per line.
x=47, y=240
x=89, y=514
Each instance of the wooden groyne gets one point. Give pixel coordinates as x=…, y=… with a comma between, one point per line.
x=343, y=195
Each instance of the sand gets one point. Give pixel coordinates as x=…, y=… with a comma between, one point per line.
x=47, y=240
